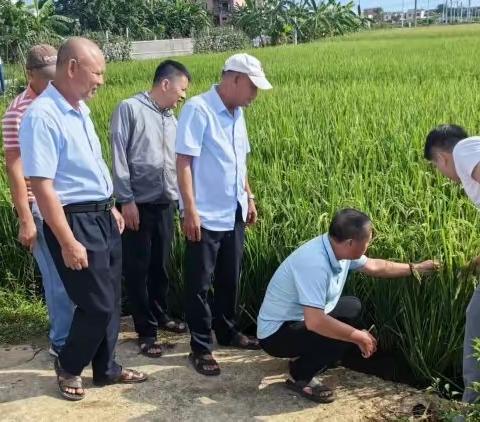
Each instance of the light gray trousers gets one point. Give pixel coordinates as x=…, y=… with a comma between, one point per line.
x=471, y=366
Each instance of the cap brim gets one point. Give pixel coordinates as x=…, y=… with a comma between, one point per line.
x=260, y=82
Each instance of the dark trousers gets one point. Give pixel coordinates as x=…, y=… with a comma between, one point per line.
x=95, y=291
x=2, y=80
x=146, y=255
x=314, y=352
x=216, y=258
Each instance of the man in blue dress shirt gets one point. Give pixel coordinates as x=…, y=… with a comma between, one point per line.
x=62, y=156
x=303, y=316
x=216, y=202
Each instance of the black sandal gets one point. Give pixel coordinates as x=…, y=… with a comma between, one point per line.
x=174, y=326
x=241, y=341
x=201, y=361
x=148, y=344
x=66, y=380
x=320, y=393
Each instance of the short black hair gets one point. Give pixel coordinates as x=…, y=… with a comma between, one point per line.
x=444, y=138
x=169, y=69
x=350, y=223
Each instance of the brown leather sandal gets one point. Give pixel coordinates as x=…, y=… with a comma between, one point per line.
x=127, y=376
x=65, y=381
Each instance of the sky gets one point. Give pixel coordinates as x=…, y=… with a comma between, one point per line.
x=397, y=5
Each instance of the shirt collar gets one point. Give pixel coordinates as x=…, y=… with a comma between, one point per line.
x=63, y=104
x=217, y=103
x=31, y=93
x=334, y=263
x=167, y=112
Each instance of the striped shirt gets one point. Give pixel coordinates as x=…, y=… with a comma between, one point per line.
x=11, y=124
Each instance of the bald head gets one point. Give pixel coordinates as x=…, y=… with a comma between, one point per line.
x=80, y=69
x=77, y=48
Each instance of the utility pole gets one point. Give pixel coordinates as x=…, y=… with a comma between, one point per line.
x=415, y=15
x=403, y=12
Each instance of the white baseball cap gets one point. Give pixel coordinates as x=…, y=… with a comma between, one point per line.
x=251, y=66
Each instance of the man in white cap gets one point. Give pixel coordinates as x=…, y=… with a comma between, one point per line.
x=216, y=203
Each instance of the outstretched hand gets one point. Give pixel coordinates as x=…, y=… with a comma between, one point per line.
x=426, y=267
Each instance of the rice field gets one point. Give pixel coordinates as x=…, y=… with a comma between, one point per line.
x=344, y=126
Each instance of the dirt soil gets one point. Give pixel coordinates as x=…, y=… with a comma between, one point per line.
x=249, y=388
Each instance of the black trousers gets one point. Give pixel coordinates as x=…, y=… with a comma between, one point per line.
x=146, y=255
x=215, y=259
x=314, y=352
x=95, y=291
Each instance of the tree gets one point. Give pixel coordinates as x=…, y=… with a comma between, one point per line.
x=22, y=26
x=311, y=19
x=145, y=19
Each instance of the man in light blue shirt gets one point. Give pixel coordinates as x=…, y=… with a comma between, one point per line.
x=61, y=155
x=216, y=202
x=303, y=315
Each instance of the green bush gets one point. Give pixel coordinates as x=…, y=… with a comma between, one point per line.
x=220, y=39
x=21, y=317
x=116, y=48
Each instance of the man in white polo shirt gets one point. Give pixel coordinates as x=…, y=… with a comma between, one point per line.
x=457, y=157
x=216, y=202
x=303, y=316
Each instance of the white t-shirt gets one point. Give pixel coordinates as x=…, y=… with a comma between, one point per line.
x=466, y=155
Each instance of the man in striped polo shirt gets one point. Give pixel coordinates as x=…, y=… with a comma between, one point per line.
x=40, y=66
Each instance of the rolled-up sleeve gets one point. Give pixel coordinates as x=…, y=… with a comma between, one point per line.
x=190, y=130
x=39, y=146
x=120, y=127
x=358, y=264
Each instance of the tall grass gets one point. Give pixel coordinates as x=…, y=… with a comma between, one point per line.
x=344, y=126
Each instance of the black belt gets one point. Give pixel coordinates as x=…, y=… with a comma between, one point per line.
x=100, y=206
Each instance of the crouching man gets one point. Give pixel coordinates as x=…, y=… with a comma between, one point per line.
x=303, y=316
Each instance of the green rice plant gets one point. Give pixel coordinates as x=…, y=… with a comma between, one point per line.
x=345, y=126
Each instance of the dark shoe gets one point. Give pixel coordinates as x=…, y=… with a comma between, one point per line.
x=150, y=348
x=319, y=393
x=241, y=341
x=174, y=326
x=204, y=363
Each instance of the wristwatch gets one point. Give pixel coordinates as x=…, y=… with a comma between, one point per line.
x=251, y=197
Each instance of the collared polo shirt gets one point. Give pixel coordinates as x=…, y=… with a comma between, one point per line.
x=59, y=142
x=11, y=125
x=311, y=276
x=218, y=143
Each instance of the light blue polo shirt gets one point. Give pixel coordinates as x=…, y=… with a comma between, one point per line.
x=59, y=142
x=311, y=276
x=218, y=143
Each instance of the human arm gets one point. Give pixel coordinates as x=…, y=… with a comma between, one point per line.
x=252, y=213
x=191, y=220
x=191, y=127
x=120, y=129
x=387, y=269
x=73, y=252
x=319, y=322
x=27, y=232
